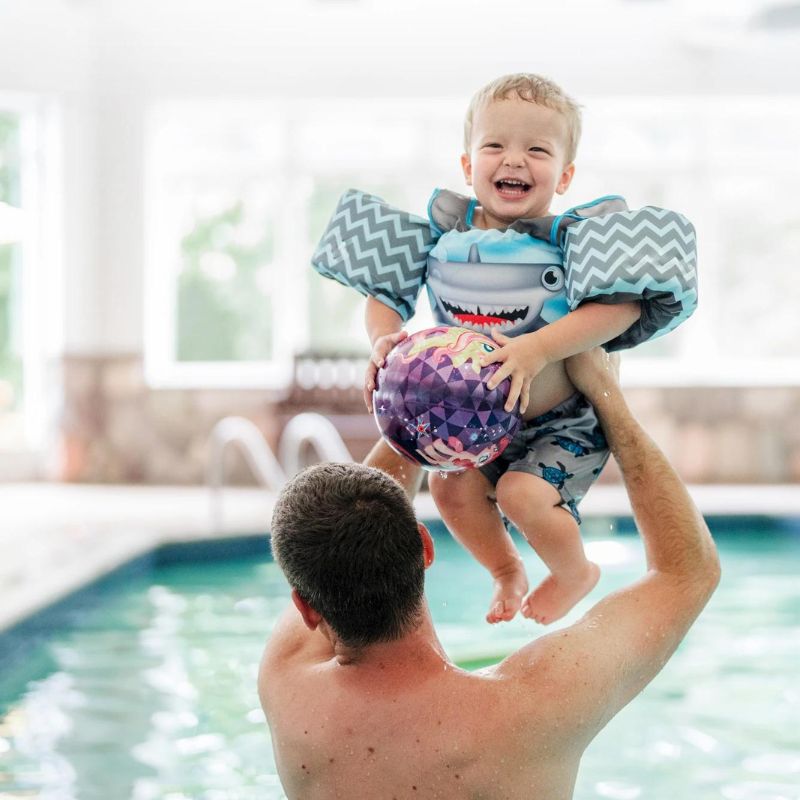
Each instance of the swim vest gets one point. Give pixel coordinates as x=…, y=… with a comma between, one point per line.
x=520, y=278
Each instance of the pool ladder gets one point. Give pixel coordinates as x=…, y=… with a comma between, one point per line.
x=270, y=471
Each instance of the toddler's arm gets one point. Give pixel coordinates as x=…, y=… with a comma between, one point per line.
x=524, y=357
x=384, y=328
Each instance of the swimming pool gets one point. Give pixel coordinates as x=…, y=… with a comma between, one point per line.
x=143, y=686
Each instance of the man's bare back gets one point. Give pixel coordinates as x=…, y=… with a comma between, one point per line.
x=422, y=730
x=397, y=719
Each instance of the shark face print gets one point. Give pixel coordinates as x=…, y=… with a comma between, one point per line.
x=488, y=295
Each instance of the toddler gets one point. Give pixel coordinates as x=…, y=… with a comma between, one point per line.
x=495, y=264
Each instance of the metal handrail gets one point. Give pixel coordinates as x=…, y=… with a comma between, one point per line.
x=304, y=429
x=314, y=429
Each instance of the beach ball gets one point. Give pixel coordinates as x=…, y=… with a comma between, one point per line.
x=432, y=403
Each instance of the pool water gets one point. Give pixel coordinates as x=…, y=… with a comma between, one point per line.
x=144, y=687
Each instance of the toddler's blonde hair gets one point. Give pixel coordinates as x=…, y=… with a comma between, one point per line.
x=535, y=89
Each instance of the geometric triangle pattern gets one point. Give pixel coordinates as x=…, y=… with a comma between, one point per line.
x=432, y=403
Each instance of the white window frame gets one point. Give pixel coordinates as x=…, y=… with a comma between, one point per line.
x=42, y=277
x=161, y=368
x=290, y=303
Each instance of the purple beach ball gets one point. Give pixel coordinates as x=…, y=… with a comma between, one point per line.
x=432, y=403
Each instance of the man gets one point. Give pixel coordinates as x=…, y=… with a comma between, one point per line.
x=362, y=700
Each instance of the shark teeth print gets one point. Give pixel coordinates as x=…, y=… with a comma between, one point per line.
x=484, y=317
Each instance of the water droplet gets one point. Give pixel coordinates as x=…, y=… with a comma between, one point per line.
x=606, y=394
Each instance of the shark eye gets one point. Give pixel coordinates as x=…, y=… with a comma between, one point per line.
x=553, y=279
x=487, y=347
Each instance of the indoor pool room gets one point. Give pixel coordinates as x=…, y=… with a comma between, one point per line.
x=501, y=256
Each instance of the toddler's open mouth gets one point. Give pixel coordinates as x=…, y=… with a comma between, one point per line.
x=508, y=187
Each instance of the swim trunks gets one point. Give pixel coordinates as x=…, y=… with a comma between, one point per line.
x=565, y=446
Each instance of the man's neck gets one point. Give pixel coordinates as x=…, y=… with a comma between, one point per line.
x=420, y=648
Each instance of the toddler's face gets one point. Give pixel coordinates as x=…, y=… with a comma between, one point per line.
x=517, y=160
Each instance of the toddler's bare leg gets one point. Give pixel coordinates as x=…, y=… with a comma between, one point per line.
x=408, y=475
x=473, y=519
x=533, y=505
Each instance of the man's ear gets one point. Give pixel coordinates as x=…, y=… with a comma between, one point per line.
x=466, y=166
x=310, y=615
x=566, y=179
x=428, y=553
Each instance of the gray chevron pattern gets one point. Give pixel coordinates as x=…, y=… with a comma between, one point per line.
x=376, y=249
x=648, y=254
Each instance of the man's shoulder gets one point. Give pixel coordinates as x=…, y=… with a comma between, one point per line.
x=291, y=645
x=550, y=677
x=534, y=662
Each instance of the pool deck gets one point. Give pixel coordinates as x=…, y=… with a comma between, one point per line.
x=56, y=538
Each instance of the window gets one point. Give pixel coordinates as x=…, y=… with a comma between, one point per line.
x=730, y=165
x=239, y=194
x=11, y=235
x=29, y=277
x=238, y=197
x=217, y=297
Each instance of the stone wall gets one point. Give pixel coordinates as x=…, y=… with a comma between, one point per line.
x=114, y=429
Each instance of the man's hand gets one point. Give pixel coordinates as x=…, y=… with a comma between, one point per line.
x=595, y=373
x=380, y=349
x=522, y=359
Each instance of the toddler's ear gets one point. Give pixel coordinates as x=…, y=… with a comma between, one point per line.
x=466, y=165
x=566, y=179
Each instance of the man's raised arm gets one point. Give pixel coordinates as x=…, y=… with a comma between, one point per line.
x=675, y=535
x=616, y=649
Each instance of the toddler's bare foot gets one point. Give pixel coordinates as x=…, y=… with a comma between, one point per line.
x=555, y=596
x=510, y=586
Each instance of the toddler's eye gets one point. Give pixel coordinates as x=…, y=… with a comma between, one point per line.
x=553, y=279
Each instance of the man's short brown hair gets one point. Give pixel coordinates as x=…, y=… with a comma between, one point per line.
x=346, y=538
x=535, y=89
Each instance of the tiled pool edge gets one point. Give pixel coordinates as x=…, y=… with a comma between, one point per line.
x=53, y=580
x=83, y=558
x=19, y=639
